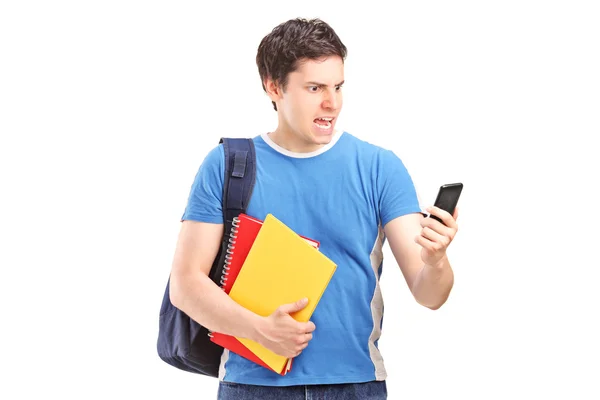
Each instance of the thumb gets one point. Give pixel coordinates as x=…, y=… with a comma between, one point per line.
x=295, y=306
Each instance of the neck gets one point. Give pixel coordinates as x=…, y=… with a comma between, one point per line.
x=286, y=139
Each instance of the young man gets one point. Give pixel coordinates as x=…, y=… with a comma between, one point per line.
x=330, y=186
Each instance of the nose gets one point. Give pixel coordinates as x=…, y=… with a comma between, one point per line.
x=331, y=100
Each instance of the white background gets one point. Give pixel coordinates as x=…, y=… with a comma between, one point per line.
x=108, y=108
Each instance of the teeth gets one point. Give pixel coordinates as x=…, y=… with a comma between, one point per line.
x=326, y=119
x=326, y=125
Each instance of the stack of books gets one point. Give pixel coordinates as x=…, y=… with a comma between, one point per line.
x=269, y=265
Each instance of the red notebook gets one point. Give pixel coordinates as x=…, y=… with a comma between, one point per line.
x=244, y=232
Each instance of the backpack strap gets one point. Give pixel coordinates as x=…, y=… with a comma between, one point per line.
x=240, y=176
x=239, y=180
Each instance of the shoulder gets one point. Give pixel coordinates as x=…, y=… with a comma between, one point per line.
x=211, y=165
x=216, y=154
x=375, y=153
x=214, y=159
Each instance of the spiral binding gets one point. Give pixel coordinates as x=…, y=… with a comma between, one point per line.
x=228, y=256
x=230, y=248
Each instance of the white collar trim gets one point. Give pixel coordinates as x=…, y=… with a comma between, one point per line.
x=336, y=136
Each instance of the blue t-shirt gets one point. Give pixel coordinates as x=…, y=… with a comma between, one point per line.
x=341, y=195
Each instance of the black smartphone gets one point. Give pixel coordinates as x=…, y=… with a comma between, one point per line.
x=447, y=198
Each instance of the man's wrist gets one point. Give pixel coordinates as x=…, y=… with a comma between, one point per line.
x=439, y=266
x=256, y=328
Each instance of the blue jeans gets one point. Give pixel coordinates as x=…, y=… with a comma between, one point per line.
x=376, y=390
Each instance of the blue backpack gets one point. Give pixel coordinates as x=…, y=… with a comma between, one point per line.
x=182, y=342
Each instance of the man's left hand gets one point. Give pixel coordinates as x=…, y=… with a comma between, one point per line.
x=435, y=236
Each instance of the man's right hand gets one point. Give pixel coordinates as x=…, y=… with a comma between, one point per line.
x=282, y=334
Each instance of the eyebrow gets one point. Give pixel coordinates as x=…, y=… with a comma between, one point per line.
x=322, y=84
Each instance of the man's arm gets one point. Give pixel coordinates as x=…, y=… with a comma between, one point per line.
x=193, y=292
x=419, y=246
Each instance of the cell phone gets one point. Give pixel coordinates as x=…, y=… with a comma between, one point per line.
x=447, y=198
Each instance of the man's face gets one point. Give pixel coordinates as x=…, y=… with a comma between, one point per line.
x=312, y=100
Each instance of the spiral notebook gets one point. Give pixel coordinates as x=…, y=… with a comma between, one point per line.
x=281, y=268
x=244, y=231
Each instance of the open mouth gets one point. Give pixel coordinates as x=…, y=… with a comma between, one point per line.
x=324, y=122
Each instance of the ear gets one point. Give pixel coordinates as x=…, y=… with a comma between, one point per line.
x=273, y=90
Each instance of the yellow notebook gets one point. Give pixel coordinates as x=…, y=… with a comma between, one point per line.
x=281, y=268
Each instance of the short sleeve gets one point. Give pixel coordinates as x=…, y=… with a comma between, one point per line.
x=205, y=199
x=397, y=193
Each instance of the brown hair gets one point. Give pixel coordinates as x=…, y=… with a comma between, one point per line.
x=280, y=52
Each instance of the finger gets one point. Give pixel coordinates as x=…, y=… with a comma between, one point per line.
x=436, y=226
x=434, y=236
x=444, y=215
x=426, y=243
x=307, y=337
x=438, y=212
x=303, y=339
x=303, y=346
x=432, y=220
x=294, y=307
x=308, y=327
x=455, y=216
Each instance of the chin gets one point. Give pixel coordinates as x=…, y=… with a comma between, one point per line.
x=323, y=137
